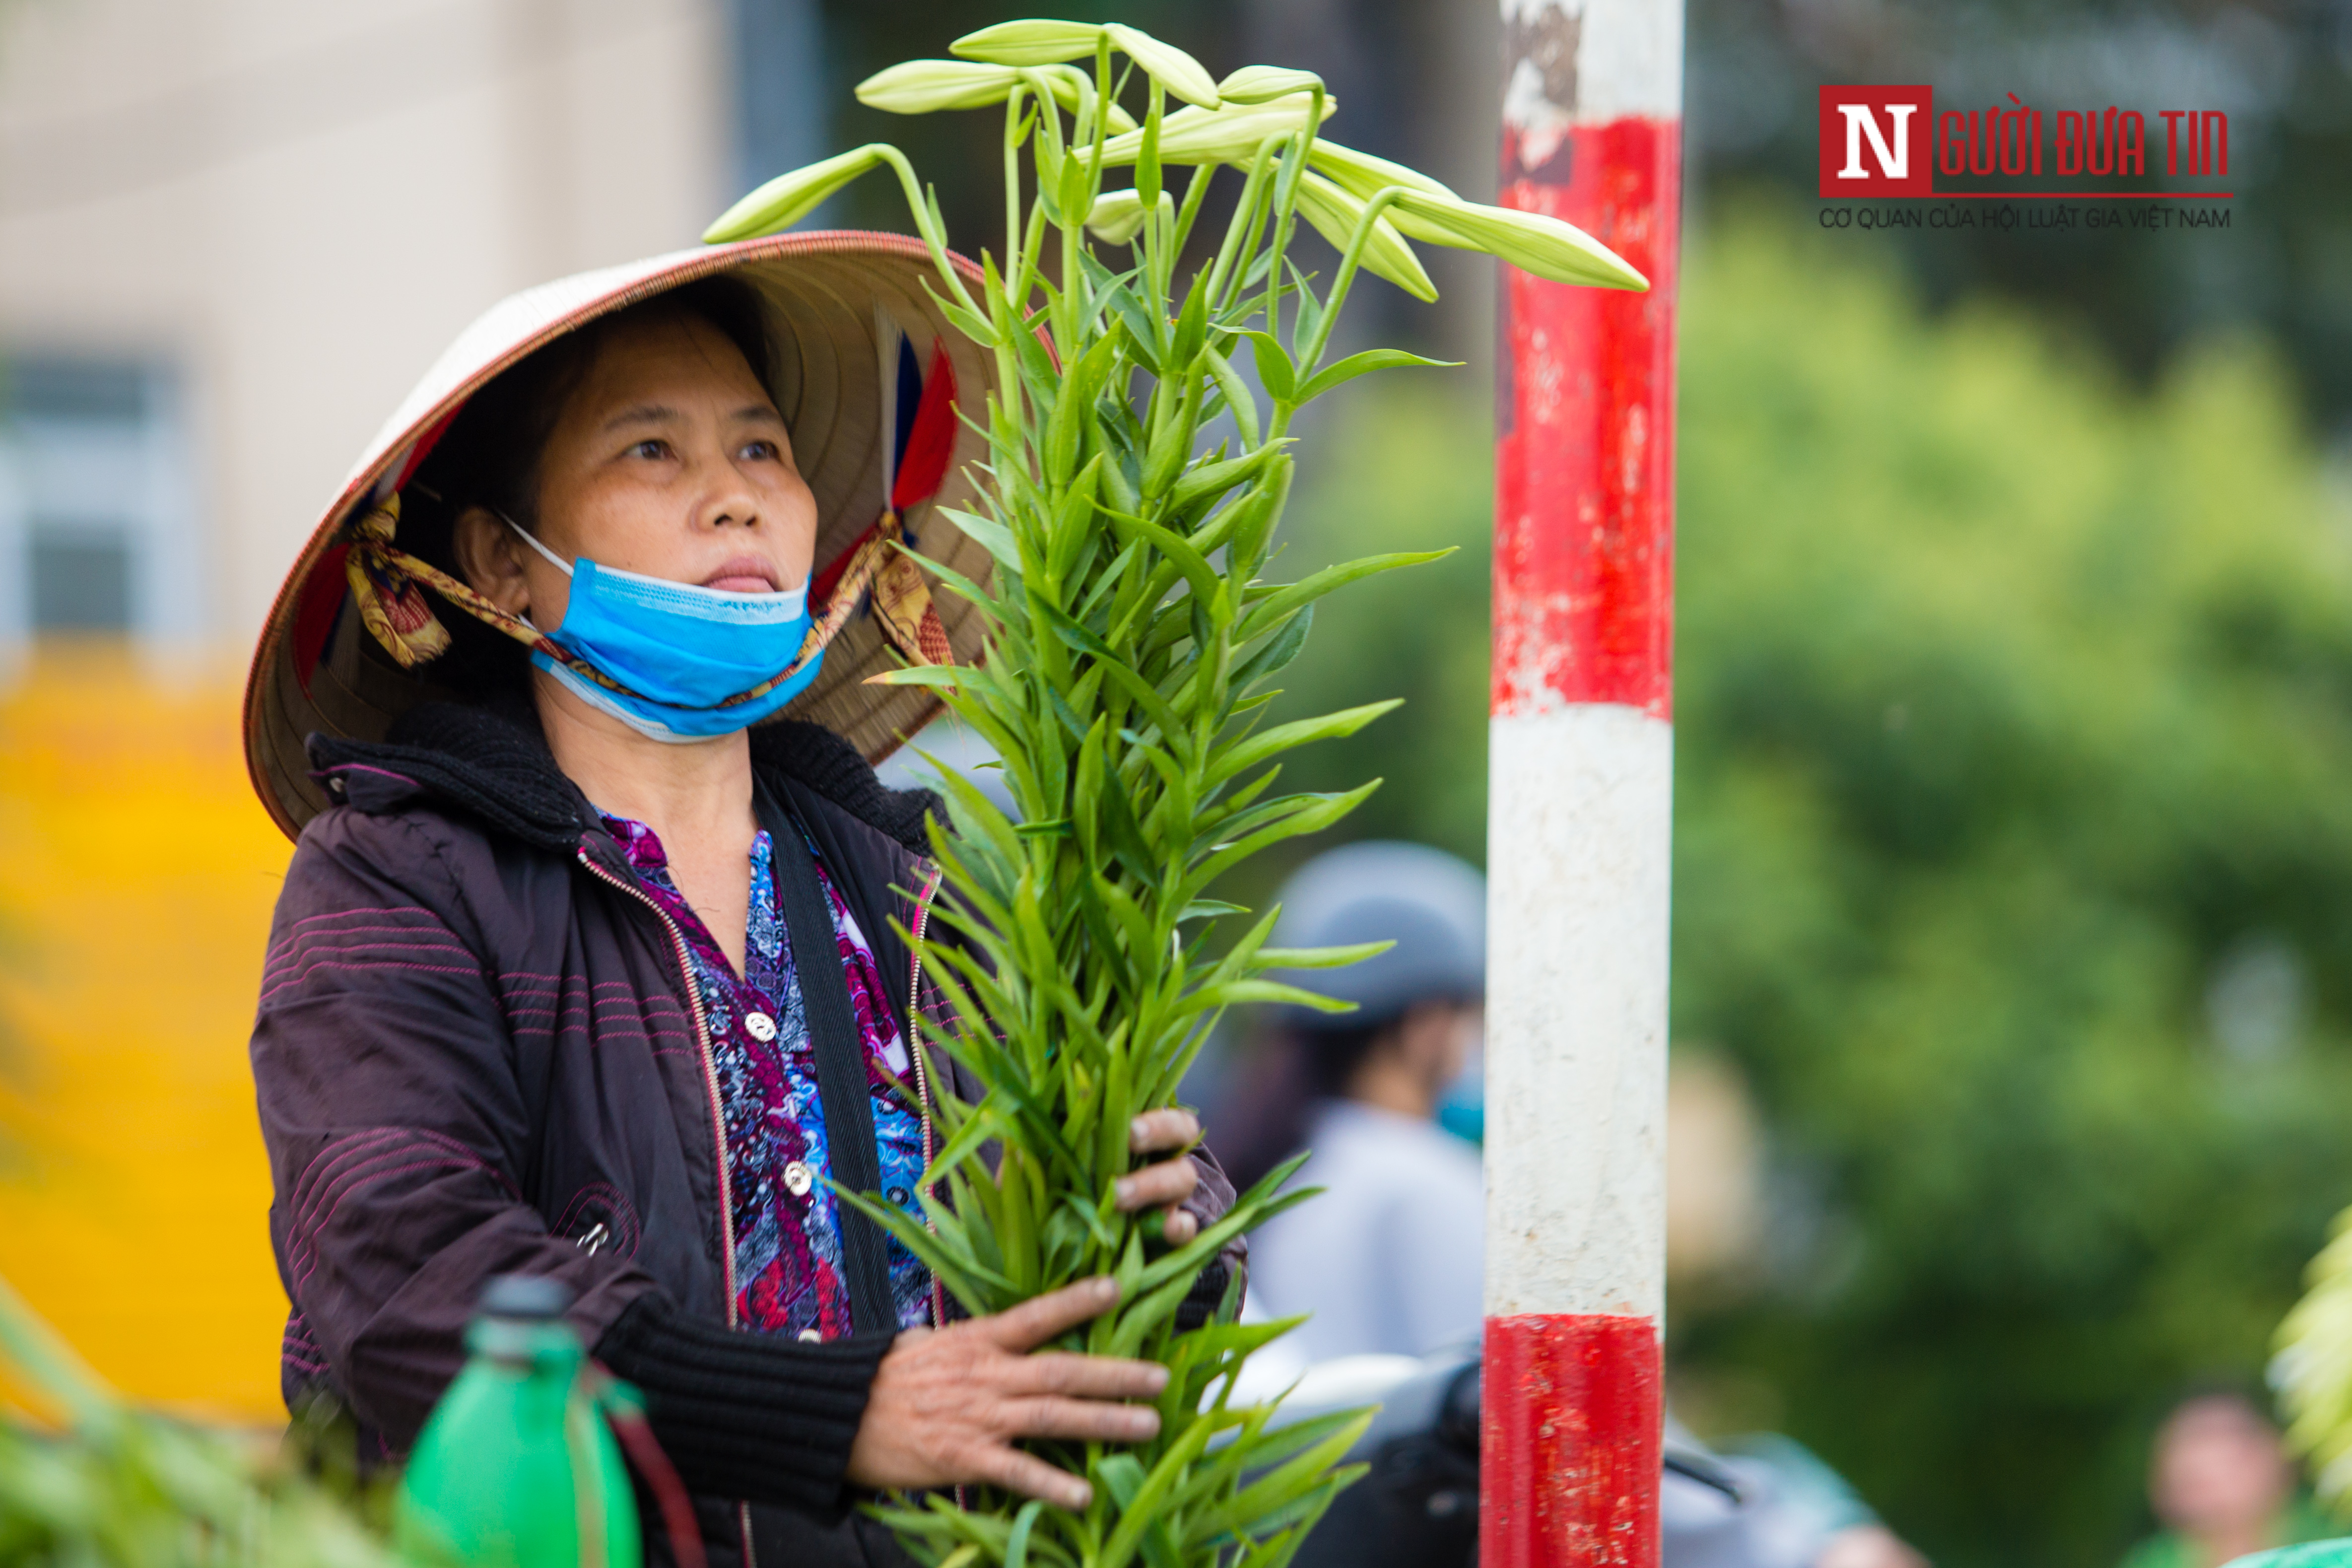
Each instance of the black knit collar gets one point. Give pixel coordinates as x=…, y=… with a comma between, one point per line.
x=492, y=762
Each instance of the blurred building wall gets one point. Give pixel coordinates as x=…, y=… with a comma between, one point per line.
x=293, y=207
x=232, y=234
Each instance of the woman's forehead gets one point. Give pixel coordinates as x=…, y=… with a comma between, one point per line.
x=668, y=361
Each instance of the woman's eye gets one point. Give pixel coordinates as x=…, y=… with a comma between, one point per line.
x=762, y=452
x=651, y=450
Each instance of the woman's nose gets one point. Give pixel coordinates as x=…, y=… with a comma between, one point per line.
x=732, y=502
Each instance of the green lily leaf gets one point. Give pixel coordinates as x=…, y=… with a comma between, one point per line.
x=1321, y=957
x=1356, y=365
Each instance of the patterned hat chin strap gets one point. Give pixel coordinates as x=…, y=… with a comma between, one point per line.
x=388, y=584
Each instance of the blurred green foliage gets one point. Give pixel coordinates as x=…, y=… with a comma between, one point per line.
x=105, y=1485
x=1409, y=465
x=2013, y=852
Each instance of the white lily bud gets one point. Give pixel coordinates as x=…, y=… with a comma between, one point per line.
x=1029, y=43
x=1118, y=216
x=1227, y=136
x=1073, y=87
x=923, y=87
x=1335, y=213
x=1166, y=64
x=1264, y=84
x=1364, y=176
x=1528, y=241
x=788, y=198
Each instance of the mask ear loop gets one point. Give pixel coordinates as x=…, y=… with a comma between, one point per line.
x=558, y=561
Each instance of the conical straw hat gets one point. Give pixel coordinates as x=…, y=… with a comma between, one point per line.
x=832, y=301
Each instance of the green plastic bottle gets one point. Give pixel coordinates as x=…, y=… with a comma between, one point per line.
x=517, y=1468
x=2315, y=1555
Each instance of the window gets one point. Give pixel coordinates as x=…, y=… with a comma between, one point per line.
x=778, y=50
x=96, y=533
x=80, y=581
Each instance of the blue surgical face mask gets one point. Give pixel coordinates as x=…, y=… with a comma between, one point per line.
x=681, y=649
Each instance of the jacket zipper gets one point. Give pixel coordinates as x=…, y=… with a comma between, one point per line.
x=718, y=1121
x=917, y=1049
x=709, y=1071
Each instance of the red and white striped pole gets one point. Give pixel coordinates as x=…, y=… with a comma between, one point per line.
x=1580, y=799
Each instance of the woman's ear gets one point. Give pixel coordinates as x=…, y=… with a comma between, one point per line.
x=489, y=558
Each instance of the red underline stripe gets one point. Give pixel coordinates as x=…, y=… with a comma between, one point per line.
x=2051, y=196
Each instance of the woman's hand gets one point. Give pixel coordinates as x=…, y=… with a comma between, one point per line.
x=948, y=1404
x=1163, y=1184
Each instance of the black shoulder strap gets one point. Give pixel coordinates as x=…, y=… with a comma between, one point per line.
x=840, y=1066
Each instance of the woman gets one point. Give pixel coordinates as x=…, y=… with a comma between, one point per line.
x=576, y=972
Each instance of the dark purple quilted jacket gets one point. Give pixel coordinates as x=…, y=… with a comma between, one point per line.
x=474, y=1056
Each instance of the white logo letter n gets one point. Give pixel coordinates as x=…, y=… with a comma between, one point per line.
x=1894, y=162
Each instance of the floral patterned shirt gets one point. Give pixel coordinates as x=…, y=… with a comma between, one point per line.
x=787, y=1266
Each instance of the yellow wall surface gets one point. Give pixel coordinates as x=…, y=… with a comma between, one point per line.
x=137, y=874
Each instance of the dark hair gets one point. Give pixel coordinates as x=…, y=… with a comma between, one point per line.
x=490, y=455
x=2224, y=1388
x=1263, y=1116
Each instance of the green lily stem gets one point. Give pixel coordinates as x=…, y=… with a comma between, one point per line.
x=1286, y=193
x=1236, y=225
x=1252, y=217
x=1195, y=188
x=1033, y=245
x=1342, y=280
x=1101, y=107
x=1019, y=255
x=1014, y=134
x=1284, y=209
x=926, y=225
x=1149, y=175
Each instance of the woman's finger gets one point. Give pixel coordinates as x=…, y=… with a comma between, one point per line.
x=1084, y=1421
x=1178, y=1226
x=1156, y=1186
x=1086, y=1376
x=1031, y=1476
x=1160, y=1131
x=1034, y=1321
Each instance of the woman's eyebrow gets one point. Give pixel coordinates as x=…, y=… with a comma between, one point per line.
x=642, y=414
x=662, y=413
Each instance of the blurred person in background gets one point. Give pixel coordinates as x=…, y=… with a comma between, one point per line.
x=2221, y=1484
x=1389, y=1262
x=1389, y=1259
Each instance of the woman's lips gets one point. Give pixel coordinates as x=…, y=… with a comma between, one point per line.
x=744, y=574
